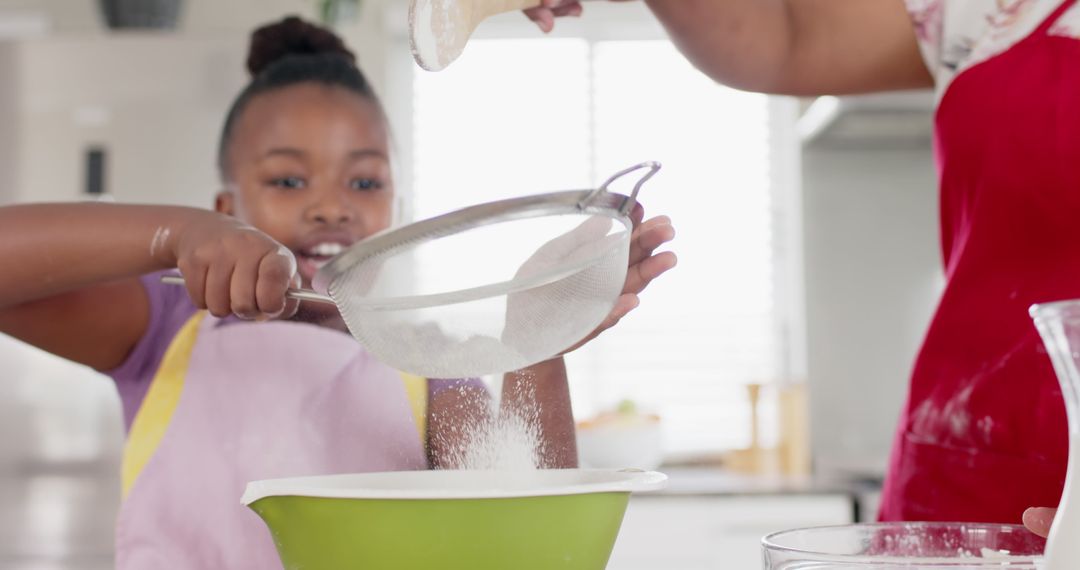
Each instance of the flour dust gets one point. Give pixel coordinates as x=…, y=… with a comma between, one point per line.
x=497, y=439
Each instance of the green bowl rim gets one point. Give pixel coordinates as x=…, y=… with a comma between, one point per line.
x=621, y=481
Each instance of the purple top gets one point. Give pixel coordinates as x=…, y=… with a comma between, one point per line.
x=170, y=309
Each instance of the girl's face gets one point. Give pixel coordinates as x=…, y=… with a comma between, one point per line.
x=309, y=165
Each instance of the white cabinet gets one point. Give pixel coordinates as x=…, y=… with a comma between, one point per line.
x=155, y=103
x=665, y=532
x=873, y=273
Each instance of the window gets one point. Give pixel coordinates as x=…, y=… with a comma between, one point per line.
x=522, y=116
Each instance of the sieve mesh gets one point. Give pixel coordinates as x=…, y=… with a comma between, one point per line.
x=517, y=292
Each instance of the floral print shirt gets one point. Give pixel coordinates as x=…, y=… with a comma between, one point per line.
x=957, y=34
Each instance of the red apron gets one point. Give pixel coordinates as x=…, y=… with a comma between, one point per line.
x=983, y=434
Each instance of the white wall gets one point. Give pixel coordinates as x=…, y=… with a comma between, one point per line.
x=233, y=19
x=9, y=132
x=82, y=16
x=873, y=275
x=156, y=103
x=156, y=100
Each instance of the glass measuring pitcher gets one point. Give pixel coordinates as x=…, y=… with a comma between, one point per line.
x=1059, y=327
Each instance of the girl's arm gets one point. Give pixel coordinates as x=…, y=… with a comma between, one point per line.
x=797, y=47
x=70, y=272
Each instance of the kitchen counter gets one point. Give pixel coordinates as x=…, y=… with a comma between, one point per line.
x=708, y=518
x=717, y=481
x=863, y=494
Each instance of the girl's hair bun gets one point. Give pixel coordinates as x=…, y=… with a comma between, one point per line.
x=289, y=37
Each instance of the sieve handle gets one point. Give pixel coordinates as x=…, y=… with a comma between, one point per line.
x=298, y=294
x=652, y=167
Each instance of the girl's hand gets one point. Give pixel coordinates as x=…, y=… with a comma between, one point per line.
x=645, y=265
x=1039, y=519
x=232, y=268
x=591, y=236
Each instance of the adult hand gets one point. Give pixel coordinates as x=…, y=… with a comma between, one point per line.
x=1039, y=519
x=545, y=14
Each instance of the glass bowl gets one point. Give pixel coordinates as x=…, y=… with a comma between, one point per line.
x=904, y=546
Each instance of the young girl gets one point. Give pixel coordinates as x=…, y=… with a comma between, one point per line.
x=983, y=434
x=213, y=400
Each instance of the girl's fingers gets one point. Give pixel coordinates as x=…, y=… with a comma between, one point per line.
x=641, y=274
x=623, y=305
x=637, y=214
x=242, y=300
x=275, y=275
x=218, y=285
x=656, y=235
x=649, y=236
x=626, y=303
x=195, y=282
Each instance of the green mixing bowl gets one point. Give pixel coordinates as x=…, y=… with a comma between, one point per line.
x=469, y=520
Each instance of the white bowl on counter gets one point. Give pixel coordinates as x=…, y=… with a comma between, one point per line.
x=637, y=444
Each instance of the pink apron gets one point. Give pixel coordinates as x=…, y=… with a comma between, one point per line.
x=236, y=402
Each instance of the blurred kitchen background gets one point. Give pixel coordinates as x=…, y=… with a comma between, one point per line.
x=807, y=240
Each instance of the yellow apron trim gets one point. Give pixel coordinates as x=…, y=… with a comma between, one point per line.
x=416, y=388
x=159, y=404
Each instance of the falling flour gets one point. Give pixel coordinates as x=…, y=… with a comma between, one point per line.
x=503, y=440
x=510, y=442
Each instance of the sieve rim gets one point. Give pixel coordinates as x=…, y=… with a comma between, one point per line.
x=459, y=296
x=584, y=202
